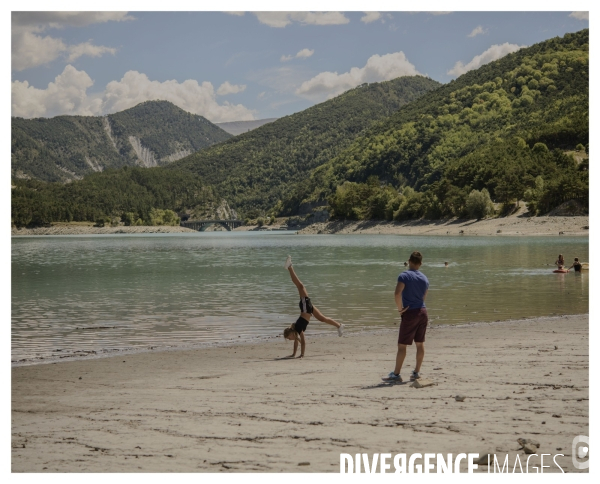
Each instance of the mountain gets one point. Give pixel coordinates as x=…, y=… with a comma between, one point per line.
x=514, y=129
x=507, y=127
x=239, y=127
x=256, y=169
x=251, y=170
x=66, y=148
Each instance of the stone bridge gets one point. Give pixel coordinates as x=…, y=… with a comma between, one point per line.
x=202, y=225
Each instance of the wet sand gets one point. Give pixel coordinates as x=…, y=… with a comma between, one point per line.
x=244, y=408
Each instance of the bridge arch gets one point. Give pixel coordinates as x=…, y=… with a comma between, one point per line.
x=202, y=225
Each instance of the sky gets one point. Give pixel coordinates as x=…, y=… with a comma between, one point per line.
x=243, y=66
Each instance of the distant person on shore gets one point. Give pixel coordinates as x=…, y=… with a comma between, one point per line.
x=295, y=332
x=560, y=262
x=576, y=265
x=411, y=291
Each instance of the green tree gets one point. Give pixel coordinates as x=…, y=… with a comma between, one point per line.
x=479, y=204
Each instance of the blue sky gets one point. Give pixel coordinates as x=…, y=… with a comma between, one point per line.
x=248, y=66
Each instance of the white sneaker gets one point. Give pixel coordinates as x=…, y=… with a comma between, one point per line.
x=288, y=262
x=341, y=330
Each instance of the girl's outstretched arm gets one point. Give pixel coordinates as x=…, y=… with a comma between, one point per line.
x=293, y=355
x=302, y=344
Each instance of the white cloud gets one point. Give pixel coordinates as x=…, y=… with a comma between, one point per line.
x=227, y=88
x=237, y=14
x=378, y=68
x=68, y=95
x=303, y=54
x=281, y=19
x=261, y=95
x=89, y=49
x=476, y=31
x=31, y=49
x=370, y=17
x=495, y=52
x=580, y=15
x=440, y=13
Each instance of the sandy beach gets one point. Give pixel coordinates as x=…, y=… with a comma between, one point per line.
x=243, y=408
x=514, y=225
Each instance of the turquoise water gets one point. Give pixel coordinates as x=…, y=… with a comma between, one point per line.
x=77, y=295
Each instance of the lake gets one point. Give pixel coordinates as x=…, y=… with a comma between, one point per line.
x=99, y=294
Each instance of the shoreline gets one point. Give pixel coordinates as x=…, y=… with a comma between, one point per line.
x=264, y=339
x=513, y=225
x=516, y=224
x=247, y=408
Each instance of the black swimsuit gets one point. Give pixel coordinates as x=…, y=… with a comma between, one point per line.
x=305, y=305
x=300, y=325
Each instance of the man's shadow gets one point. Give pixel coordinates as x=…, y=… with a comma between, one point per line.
x=385, y=384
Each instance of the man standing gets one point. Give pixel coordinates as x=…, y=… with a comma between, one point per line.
x=410, y=294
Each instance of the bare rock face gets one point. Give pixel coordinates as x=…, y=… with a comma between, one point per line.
x=460, y=398
x=225, y=212
x=109, y=133
x=176, y=156
x=145, y=156
x=219, y=212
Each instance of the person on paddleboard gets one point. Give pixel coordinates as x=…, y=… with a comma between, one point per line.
x=295, y=332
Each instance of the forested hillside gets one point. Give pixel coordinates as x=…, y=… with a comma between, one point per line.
x=65, y=148
x=501, y=130
x=256, y=169
x=132, y=195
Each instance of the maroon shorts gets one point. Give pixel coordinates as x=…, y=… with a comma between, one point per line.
x=413, y=326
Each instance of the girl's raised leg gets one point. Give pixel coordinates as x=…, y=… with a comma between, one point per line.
x=319, y=315
x=301, y=289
